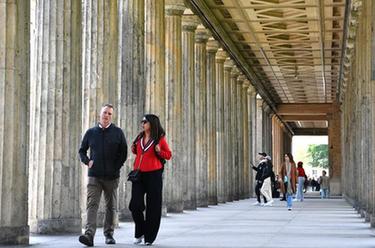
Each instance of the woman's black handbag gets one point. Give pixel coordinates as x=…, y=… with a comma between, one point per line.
x=134, y=176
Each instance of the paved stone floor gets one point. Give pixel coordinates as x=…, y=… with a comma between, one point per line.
x=313, y=223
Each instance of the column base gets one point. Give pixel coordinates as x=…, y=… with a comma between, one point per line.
x=164, y=210
x=367, y=217
x=212, y=201
x=335, y=187
x=202, y=203
x=372, y=220
x=175, y=207
x=221, y=198
x=125, y=215
x=10, y=235
x=51, y=226
x=190, y=205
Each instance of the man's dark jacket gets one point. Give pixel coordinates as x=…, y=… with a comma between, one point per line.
x=108, y=150
x=264, y=170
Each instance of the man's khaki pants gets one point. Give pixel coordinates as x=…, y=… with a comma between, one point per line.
x=95, y=187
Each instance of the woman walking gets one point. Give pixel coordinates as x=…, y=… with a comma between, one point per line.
x=301, y=181
x=289, y=176
x=151, y=151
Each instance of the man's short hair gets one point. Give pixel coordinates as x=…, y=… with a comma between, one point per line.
x=108, y=105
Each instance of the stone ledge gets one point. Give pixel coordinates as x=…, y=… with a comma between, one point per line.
x=14, y=235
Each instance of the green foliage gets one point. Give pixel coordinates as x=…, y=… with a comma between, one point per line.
x=318, y=155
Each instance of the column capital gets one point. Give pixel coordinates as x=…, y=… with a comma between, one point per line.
x=251, y=90
x=201, y=34
x=174, y=7
x=190, y=21
x=228, y=64
x=246, y=84
x=241, y=78
x=235, y=72
x=212, y=45
x=221, y=55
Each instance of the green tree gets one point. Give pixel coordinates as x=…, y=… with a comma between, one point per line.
x=318, y=155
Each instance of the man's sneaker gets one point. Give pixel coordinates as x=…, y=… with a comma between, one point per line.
x=139, y=240
x=86, y=239
x=257, y=204
x=289, y=209
x=148, y=243
x=269, y=204
x=109, y=240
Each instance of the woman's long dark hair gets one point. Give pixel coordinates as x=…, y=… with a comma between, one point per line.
x=157, y=131
x=290, y=156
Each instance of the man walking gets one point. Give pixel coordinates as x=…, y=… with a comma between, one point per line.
x=324, y=184
x=108, y=152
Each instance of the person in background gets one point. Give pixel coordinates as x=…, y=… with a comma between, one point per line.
x=259, y=176
x=276, y=187
x=301, y=176
x=266, y=189
x=324, y=185
x=313, y=184
x=289, y=175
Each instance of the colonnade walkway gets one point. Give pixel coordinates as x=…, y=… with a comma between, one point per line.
x=312, y=223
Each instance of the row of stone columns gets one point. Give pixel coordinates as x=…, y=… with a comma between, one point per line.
x=142, y=56
x=357, y=119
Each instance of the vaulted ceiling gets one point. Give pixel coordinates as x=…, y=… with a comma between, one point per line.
x=290, y=49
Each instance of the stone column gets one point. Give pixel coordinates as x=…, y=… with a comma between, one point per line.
x=239, y=135
x=201, y=38
x=55, y=113
x=220, y=120
x=101, y=64
x=212, y=47
x=14, y=120
x=245, y=139
x=259, y=126
x=155, y=59
x=334, y=144
x=174, y=118
x=228, y=183
x=189, y=25
x=234, y=170
x=267, y=129
x=252, y=128
x=372, y=109
x=131, y=88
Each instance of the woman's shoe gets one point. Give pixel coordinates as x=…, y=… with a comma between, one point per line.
x=139, y=240
x=148, y=243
